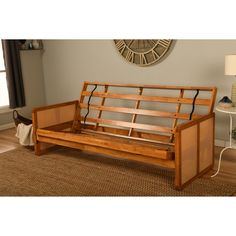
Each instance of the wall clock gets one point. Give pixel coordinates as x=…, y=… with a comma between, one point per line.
x=143, y=52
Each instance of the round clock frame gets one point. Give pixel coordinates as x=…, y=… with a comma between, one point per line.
x=143, y=52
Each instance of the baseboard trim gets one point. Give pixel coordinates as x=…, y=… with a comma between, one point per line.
x=7, y=126
x=220, y=143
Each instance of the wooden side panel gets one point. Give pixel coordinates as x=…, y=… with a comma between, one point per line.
x=194, y=150
x=55, y=115
x=206, y=144
x=58, y=117
x=189, y=153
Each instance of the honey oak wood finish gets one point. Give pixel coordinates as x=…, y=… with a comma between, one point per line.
x=137, y=131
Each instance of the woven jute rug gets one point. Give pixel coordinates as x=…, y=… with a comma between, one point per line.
x=67, y=172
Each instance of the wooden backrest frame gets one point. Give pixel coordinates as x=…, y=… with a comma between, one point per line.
x=132, y=128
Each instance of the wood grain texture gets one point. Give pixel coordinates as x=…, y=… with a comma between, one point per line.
x=149, y=138
x=206, y=139
x=114, y=153
x=116, y=143
x=189, y=154
x=134, y=116
x=151, y=86
x=178, y=107
x=129, y=124
x=55, y=115
x=158, y=138
x=194, y=150
x=204, y=102
x=8, y=140
x=102, y=104
x=136, y=111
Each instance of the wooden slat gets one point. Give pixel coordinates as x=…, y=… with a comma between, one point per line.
x=135, y=114
x=175, y=121
x=76, y=122
x=110, y=152
x=155, y=113
x=212, y=102
x=130, y=125
x=127, y=137
x=124, y=132
x=151, y=86
x=204, y=102
x=102, y=103
x=105, y=142
x=85, y=85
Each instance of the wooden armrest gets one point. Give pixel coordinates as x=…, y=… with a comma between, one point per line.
x=194, y=149
x=54, y=114
x=37, y=109
x=193, y=122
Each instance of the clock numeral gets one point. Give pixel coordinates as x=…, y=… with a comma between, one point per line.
x=142, y=52
x=153, y=41
x=164, y=42
x=121, y=46
x=130, y=56
x=143, y=59
x=155, y=55
x=129, y=44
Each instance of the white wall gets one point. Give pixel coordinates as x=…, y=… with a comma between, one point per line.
x=67, y=63
x=32, y=72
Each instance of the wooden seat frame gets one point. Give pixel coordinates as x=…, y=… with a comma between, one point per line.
x=186, y=147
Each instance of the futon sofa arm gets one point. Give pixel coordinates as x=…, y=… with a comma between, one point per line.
x=53, y=115
x=194, y=122
x=194, y=149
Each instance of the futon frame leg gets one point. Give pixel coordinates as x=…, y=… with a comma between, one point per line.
x=37, y=149
x=41, y=148
x=178, y=185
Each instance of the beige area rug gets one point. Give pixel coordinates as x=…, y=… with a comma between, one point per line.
x=67, y=172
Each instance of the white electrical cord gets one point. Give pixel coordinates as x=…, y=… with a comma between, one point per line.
x=230, y=145
x=220, y=161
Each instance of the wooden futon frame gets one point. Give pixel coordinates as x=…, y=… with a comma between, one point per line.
x=168, y=126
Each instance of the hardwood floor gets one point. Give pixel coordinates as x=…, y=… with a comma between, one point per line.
x=8, y=142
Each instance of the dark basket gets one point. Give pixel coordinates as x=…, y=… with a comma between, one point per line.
x=20, y=119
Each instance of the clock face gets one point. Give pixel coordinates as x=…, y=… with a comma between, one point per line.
x=143, y=52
